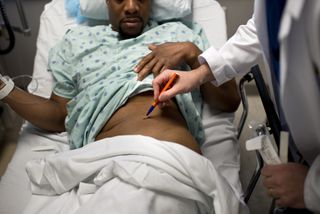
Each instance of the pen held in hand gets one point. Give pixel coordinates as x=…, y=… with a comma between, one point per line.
x=166, y=87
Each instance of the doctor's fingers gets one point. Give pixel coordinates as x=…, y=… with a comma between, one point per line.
x=163, y=104
x=160, y=81
x=268, y=170
x=270, y=181
x=182, y=85
x=167, y=95
x=282, y=201
x=288, y=200
x=274, y=193
x=284, y=174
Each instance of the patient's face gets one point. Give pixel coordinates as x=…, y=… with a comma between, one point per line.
x=128, y=17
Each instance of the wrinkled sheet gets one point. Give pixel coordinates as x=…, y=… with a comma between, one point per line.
x=129, y=174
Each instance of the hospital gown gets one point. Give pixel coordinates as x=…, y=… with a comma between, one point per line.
x=93, y=68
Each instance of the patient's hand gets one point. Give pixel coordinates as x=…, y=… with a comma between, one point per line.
x=285, y=183
x=167, y=56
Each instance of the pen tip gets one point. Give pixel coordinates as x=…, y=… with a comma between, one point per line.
x=149, y=111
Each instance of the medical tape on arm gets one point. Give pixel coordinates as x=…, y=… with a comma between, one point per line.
x=7, y=88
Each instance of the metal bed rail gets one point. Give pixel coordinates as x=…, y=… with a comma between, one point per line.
x=273, y=123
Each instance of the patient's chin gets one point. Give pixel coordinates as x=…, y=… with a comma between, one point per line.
x=130, y=32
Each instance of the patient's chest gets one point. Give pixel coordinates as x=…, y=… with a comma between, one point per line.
x=100, y=57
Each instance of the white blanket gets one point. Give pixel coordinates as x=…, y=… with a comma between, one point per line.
x=129, y=174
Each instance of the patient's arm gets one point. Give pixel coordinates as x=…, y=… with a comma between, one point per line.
x=225, y=97
x=172, y=54
x=48, y=114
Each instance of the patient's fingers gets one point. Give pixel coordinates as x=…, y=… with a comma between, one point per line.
x=157, y=68
x=145, y=60
x=147, y=69
x=164, y=68
x=152, y=47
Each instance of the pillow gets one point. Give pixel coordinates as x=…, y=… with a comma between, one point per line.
x=161, y=10
x=73, y=10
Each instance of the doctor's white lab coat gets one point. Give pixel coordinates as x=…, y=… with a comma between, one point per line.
x=299, y=79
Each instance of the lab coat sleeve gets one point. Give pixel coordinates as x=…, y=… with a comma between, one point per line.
x=312, y=187
x=236, y=57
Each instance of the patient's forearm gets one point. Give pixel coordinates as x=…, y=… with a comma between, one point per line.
x=191, y=55
x=43, y=113
x=225, y=98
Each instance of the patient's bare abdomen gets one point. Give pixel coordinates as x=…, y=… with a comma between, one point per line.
x=163, y=124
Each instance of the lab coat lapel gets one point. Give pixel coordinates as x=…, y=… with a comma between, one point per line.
x=260, y=18
x=261, y=26
x=292, y=11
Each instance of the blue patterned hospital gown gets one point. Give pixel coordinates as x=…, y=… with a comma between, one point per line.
x=93, y=68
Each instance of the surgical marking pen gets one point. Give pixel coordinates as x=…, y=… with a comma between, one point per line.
x=166, y=87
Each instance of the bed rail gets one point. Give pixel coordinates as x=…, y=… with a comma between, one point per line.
x=272, y=123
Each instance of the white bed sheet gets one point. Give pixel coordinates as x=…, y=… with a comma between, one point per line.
x=221, y=146
x=186, y=182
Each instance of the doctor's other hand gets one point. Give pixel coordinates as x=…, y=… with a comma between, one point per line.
x=186, y=82
x=285, y=183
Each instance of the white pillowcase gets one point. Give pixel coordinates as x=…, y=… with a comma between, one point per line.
x=160, y=9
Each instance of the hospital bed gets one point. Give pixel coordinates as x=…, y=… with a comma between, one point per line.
x=220, y=147
x=271, y=124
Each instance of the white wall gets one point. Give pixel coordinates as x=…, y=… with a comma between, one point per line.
x=237, y=12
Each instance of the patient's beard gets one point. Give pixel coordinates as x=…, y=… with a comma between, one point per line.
x=124, y=35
